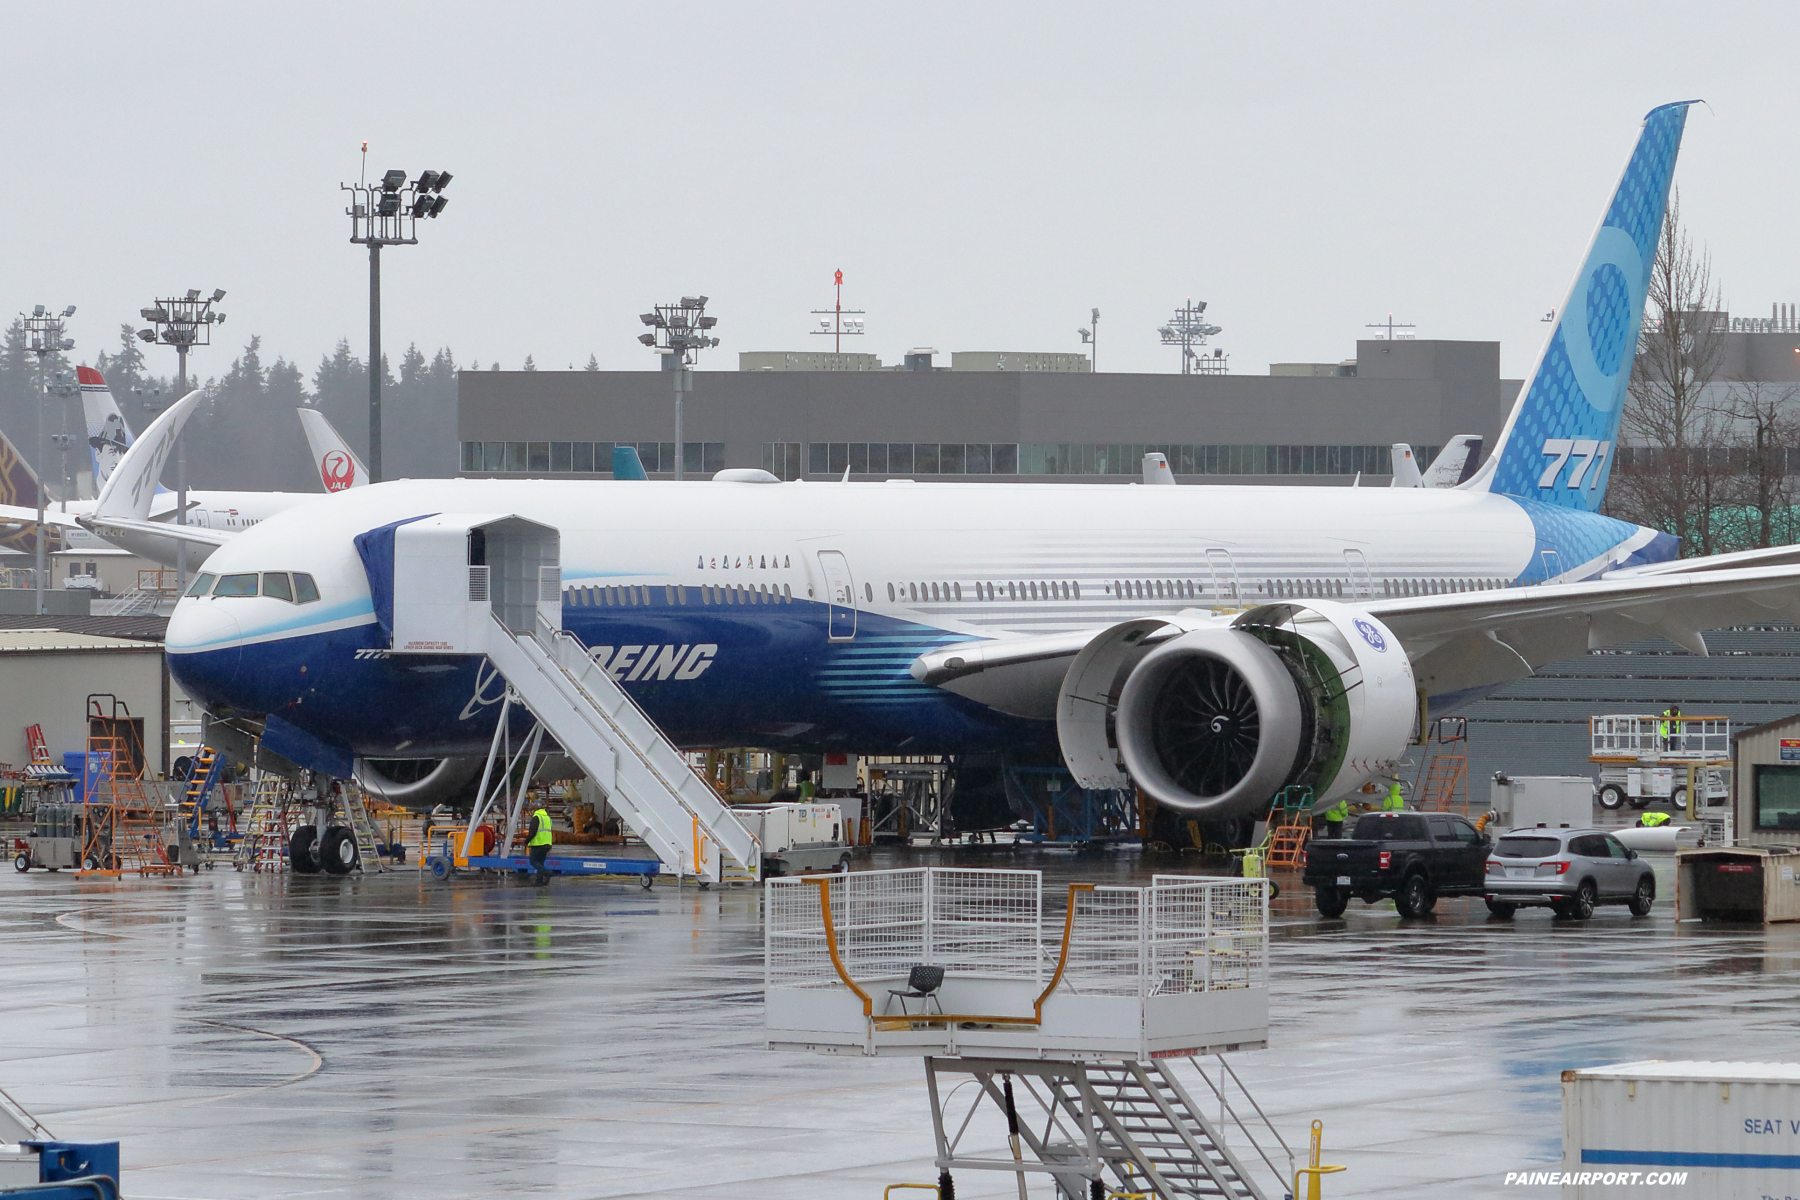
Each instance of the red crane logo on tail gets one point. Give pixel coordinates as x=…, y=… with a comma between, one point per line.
x=338, y=470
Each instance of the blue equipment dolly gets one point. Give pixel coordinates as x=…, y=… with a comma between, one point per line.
x=646, y=869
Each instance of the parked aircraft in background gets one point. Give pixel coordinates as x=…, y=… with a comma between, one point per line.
x=141, y=519
x=1210, y=645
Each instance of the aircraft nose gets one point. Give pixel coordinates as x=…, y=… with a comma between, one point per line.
x=202, y=654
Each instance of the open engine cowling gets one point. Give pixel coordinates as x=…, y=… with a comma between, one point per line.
x=1217, y=720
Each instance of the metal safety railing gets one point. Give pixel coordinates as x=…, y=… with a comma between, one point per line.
x=1180, y=935
x=1636, y=736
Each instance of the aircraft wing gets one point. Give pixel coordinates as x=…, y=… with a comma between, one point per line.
x=1768, y=556
x=11, y=514
x=111, y=527
x=1470, y=640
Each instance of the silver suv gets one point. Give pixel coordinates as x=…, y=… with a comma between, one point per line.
x=1571, y=870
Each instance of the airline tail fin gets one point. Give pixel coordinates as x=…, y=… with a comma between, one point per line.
x=1557, y=444
x=19, y=490
x=332, y=457
x=1406, y=467
x=133, y=484
x=627, y=464
x=107, y=434
x=1456, y=462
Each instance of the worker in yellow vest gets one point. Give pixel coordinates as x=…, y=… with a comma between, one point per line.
x=1335, y=816
x=1652, y=820
x=539, y=845
x=1393, y=801
x=1670, y=727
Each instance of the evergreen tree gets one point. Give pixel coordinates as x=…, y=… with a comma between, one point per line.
x=593, y=363
x=529, y=365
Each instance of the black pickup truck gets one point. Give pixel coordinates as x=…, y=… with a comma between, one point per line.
x=1414, y=857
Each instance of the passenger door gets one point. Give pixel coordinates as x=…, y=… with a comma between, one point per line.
x=840, y=595
x=1361, y=586
x=1624, y=869
x=1595, y=861
x=1224, y=575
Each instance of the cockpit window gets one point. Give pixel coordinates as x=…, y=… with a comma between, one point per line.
x=275, y=585
x=201, y=585
x=305, y=590
x=236, y=585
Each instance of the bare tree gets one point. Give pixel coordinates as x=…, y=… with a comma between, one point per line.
x=1671, y=478
x=1759, y=491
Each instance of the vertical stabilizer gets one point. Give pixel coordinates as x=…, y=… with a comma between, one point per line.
x=1557, y=445
x=108, y=436
x=334, y=460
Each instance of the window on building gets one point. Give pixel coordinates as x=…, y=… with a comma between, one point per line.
x=1777, y=798
x=515, y=458
x=562, y=457
x=925, y=458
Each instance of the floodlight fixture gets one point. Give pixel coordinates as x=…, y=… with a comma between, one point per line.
x=675, y=339
x=193, y=293
x=387, y=213
x=1188, y=330
x=831, y=320
x=218, y=295
x=45, y=335
x=148, y=335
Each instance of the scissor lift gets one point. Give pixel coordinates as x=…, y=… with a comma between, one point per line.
x=1070, y=1031
x=1646, y=757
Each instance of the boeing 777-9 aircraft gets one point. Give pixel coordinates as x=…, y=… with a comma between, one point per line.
x=1211, y=644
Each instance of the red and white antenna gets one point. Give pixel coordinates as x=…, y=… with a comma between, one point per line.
x=831, y=320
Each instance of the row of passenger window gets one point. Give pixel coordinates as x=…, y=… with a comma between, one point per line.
x=636, y=596
x=295, y=587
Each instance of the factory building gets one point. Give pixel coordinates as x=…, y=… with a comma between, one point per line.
x=991, y=416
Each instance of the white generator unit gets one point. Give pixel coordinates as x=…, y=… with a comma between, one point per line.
x=1722, y=1130
x=1556, y=801
x=798, y=838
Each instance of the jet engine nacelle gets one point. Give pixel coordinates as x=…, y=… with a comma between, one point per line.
x=416, y=783
x=1220, y=718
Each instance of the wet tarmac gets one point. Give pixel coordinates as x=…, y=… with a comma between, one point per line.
x=248, y=1035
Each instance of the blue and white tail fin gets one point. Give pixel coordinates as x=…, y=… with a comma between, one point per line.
x=1557, y=444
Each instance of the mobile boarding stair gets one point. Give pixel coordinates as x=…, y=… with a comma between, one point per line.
x=1070, y=1032
x=492, y=585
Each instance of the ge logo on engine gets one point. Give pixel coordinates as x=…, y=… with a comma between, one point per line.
x=1371, y=635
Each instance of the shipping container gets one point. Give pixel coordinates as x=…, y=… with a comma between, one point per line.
x=1722, y=1130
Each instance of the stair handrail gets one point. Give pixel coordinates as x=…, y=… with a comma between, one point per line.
x=723, y=810
x=1218, y=1091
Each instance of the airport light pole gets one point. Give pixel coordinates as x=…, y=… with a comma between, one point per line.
x=387, y=213
x=1187, y=330
x=1091, y=337
x=45, y=335
x=182, y=322
x=831, y=320
x=679, y=333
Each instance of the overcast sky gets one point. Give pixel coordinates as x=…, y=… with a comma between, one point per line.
x=984, y=174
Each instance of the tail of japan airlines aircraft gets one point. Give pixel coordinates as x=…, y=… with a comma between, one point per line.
x=1557, y=446
x=332, y=457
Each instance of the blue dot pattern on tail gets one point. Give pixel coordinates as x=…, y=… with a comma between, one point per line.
x=1608, y=316
x=1559, y=449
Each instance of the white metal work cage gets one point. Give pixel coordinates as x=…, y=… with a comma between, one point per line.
x=1179, y=967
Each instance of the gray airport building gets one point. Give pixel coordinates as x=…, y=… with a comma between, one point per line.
x=991, y=416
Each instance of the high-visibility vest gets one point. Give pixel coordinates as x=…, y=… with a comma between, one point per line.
x=1395, y=801
x=1652, y=820
x=1338, y=813
x=540, y=835
x=1666, y=723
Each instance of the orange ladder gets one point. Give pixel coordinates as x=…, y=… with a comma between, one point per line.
x=1447, y=771
x=1287, y=846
